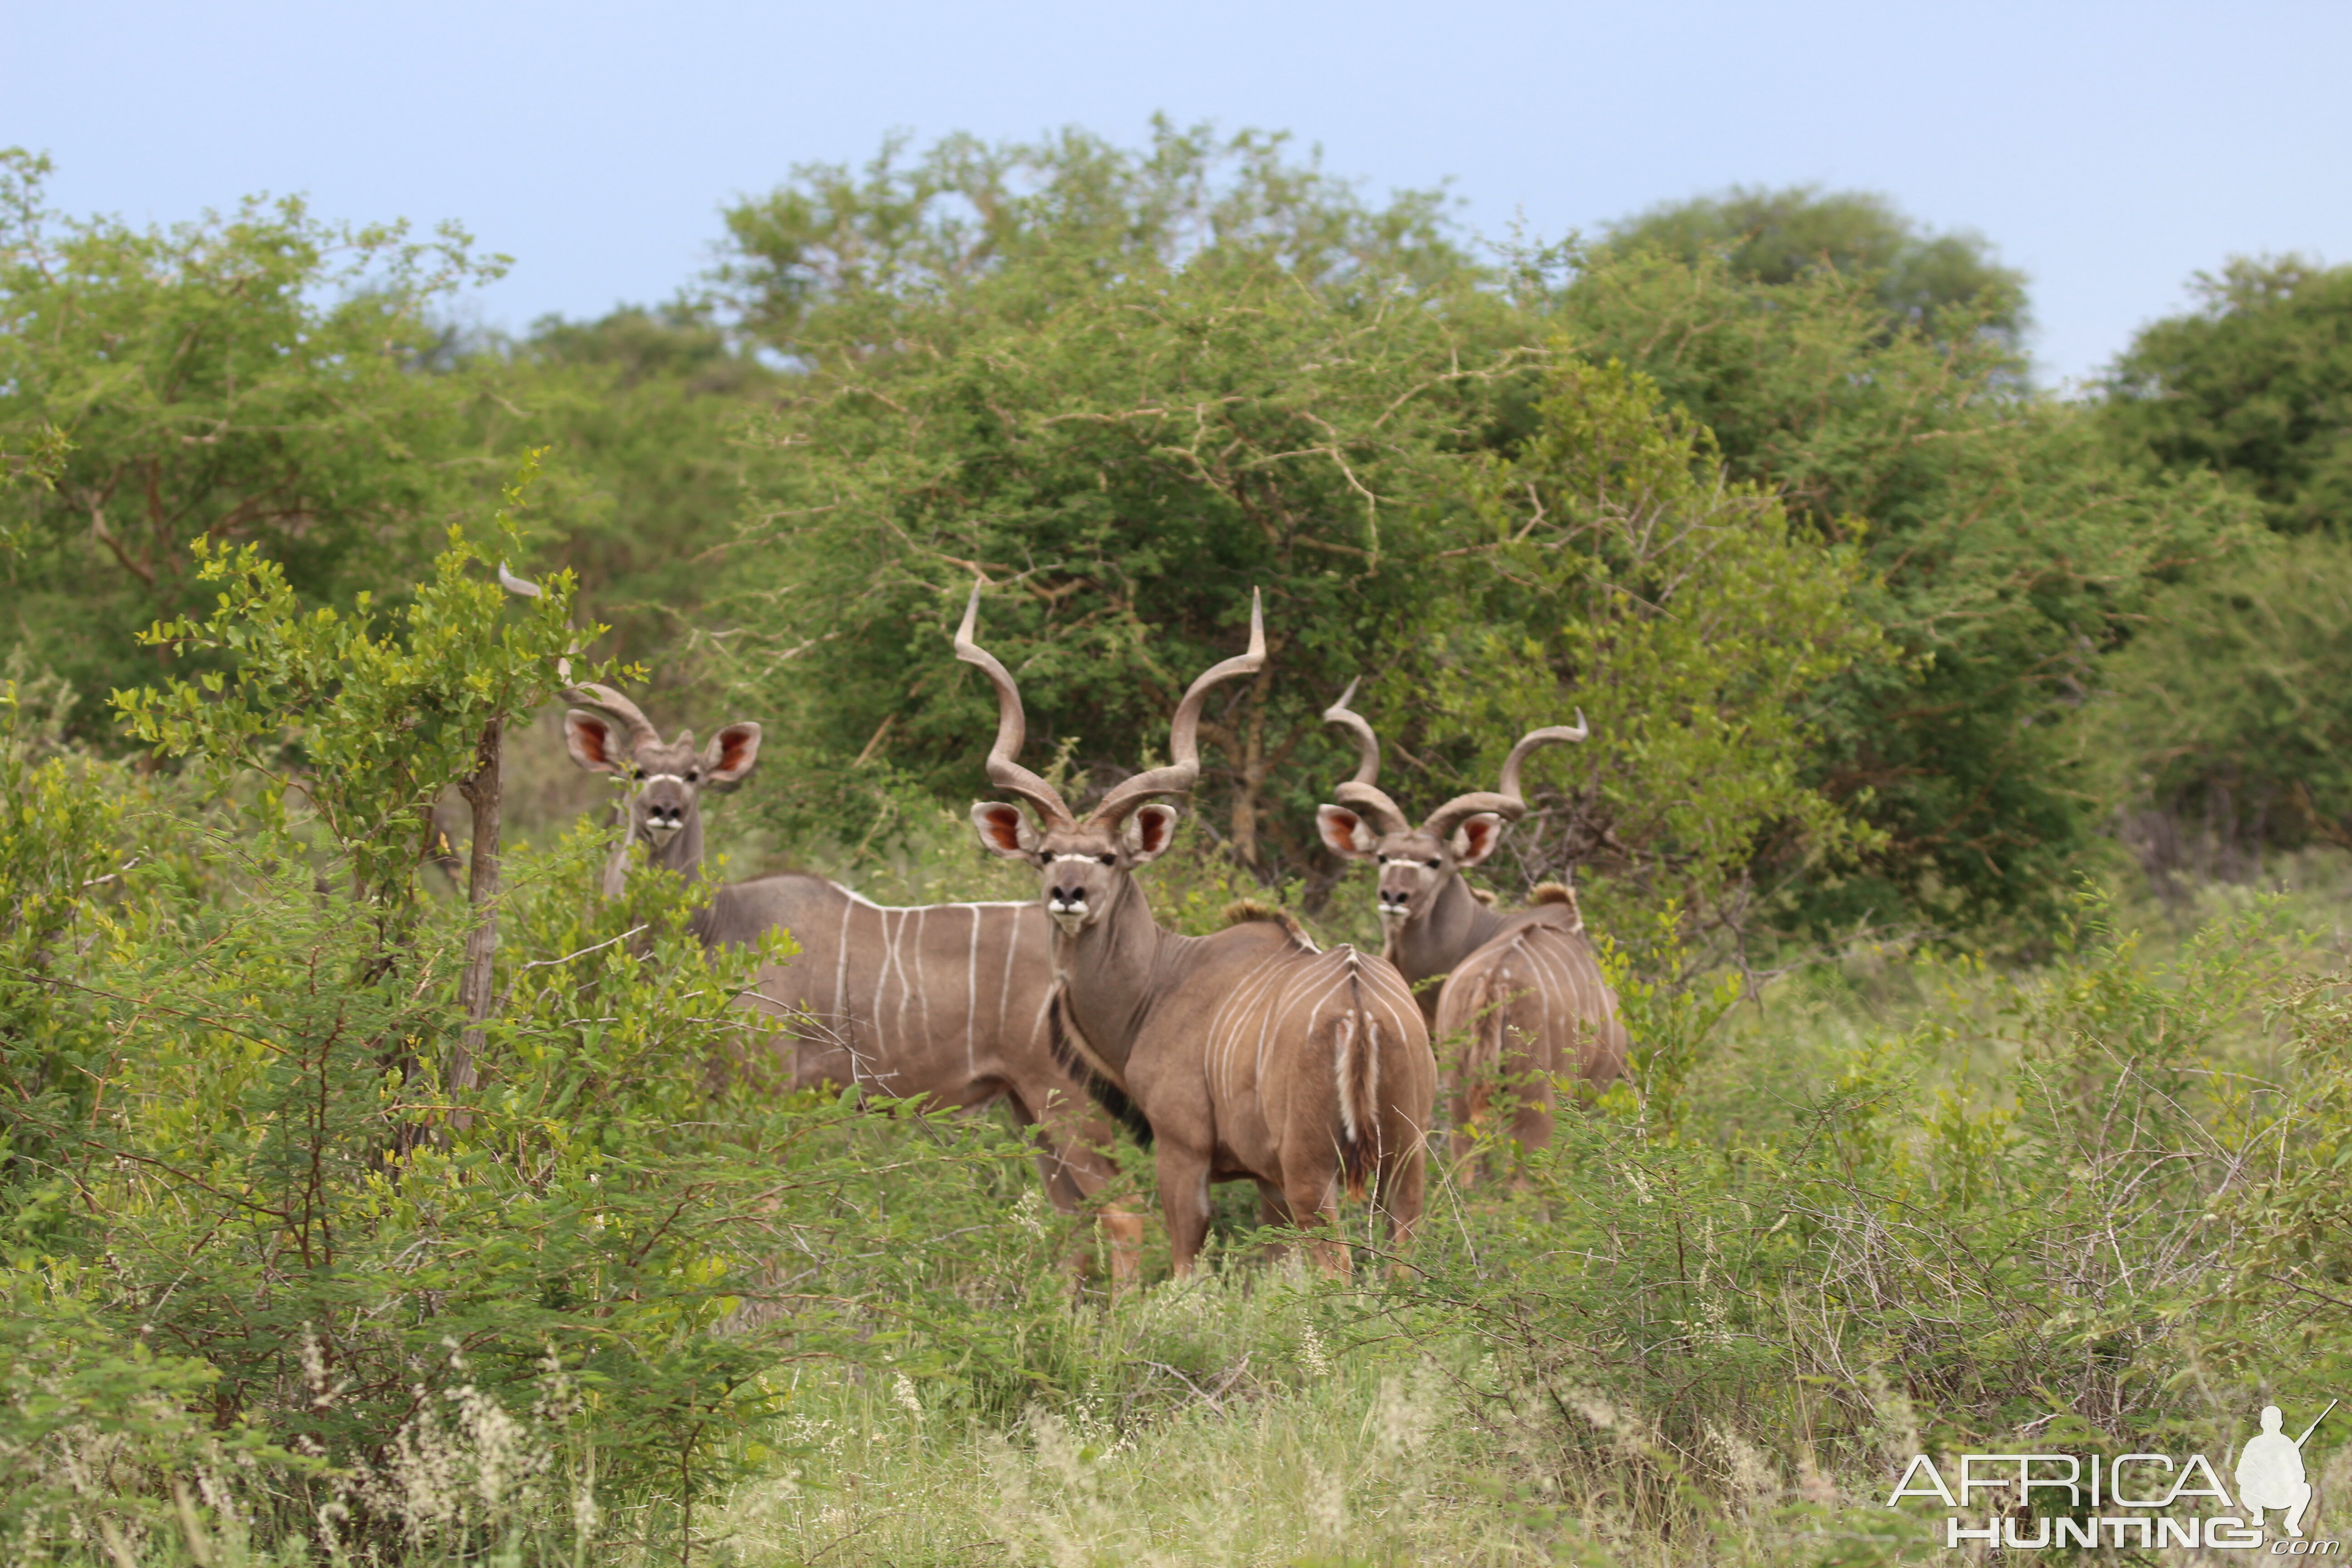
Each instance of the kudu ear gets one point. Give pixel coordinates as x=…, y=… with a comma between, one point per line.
x=1005, y=831
x=590, y=738
x=1345, y=833
x=1146, y=835
x=1476, y=838
x=730, y=756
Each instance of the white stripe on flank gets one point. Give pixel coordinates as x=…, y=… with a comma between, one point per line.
x=839, y=1006
x=922, y=979
x=972, y=993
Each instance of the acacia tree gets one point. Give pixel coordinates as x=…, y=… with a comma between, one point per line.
x=1137, y=434
x=1608, y=560
x=248, y=378
x=2254, y=385
x=2011, y=551
x=2230, y=725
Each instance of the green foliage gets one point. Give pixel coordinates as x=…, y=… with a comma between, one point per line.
x=2254, y=385
x=1687, y=620
x=2229, y=720
x=413, y=705
x=412, y=1311
x=247, y=378
x=1135, y=435
x=642, y=415
x=1134, y=451
x=2011, y=551
x=824, y=264
x=2226, y=736
x=1942, y=283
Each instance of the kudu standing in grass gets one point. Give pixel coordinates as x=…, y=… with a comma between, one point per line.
x=1522, y=992
x=1248, y=1054
x=945, y=1003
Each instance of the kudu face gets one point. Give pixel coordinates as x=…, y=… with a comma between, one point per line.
x=1416, y=863
x=668, y=777
x=1078, y=867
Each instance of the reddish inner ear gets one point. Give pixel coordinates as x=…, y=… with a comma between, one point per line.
x=1339, y=827
x=731, y=747
x=1152, y=829
x=591, y=738
x=1002, y=826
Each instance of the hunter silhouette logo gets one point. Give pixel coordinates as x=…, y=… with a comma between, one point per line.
x=2270, y=1471
x=2150, y=1501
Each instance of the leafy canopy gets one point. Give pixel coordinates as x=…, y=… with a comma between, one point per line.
x=246, y=379
x=2256, y=384
x=1132, y=436
x=2011, y=551
x=1941, y=282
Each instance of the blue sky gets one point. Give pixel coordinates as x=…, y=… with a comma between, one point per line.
x=2108, y=150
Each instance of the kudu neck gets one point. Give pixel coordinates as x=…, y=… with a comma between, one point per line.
x=1456, y=925
x=1111, y=968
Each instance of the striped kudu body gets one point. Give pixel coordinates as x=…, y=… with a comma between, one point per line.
x=942, y=1003
x=1522, y=991
x=1248, y=1055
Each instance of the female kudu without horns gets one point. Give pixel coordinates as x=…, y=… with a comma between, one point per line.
x=1249, y=1054
x=944, y=1003
x=1523, y=991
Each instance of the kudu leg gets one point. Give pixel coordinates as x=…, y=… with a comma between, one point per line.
x=1313, y=1198
x=1077, y=1166
x=1183, y=1201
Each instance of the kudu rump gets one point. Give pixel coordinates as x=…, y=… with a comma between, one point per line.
x=945, y=1002
x=1248, y=1053
x=1522, y=991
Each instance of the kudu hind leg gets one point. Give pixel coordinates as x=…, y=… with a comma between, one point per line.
x=1312, y=1197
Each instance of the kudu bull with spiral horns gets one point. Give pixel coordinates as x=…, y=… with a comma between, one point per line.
x=1249, y=1054
x=1522, y=991
x=943, y=1002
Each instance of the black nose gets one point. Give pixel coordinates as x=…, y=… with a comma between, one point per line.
x=1068, y=895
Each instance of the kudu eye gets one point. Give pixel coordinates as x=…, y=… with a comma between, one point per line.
x=691, y=775
x=1108, y=859
x=1434, y=865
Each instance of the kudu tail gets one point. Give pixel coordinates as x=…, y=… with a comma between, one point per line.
x=1355, y=1039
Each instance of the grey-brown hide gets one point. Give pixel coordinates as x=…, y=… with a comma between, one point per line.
x=1250, y=1055
x=941, y=1002
x=663, y=809
x=1522, y=996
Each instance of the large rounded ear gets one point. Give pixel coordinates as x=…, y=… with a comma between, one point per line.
x=730, y=756
x=1148, y=834
x=590, y=739
x=1345, y=833
x=1476, y=838
x=1003, y=830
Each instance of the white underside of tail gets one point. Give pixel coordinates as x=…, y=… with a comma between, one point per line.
x=1343, y=1040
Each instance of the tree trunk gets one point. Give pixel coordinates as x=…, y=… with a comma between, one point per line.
x=482, y=791
x=1252, y=772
